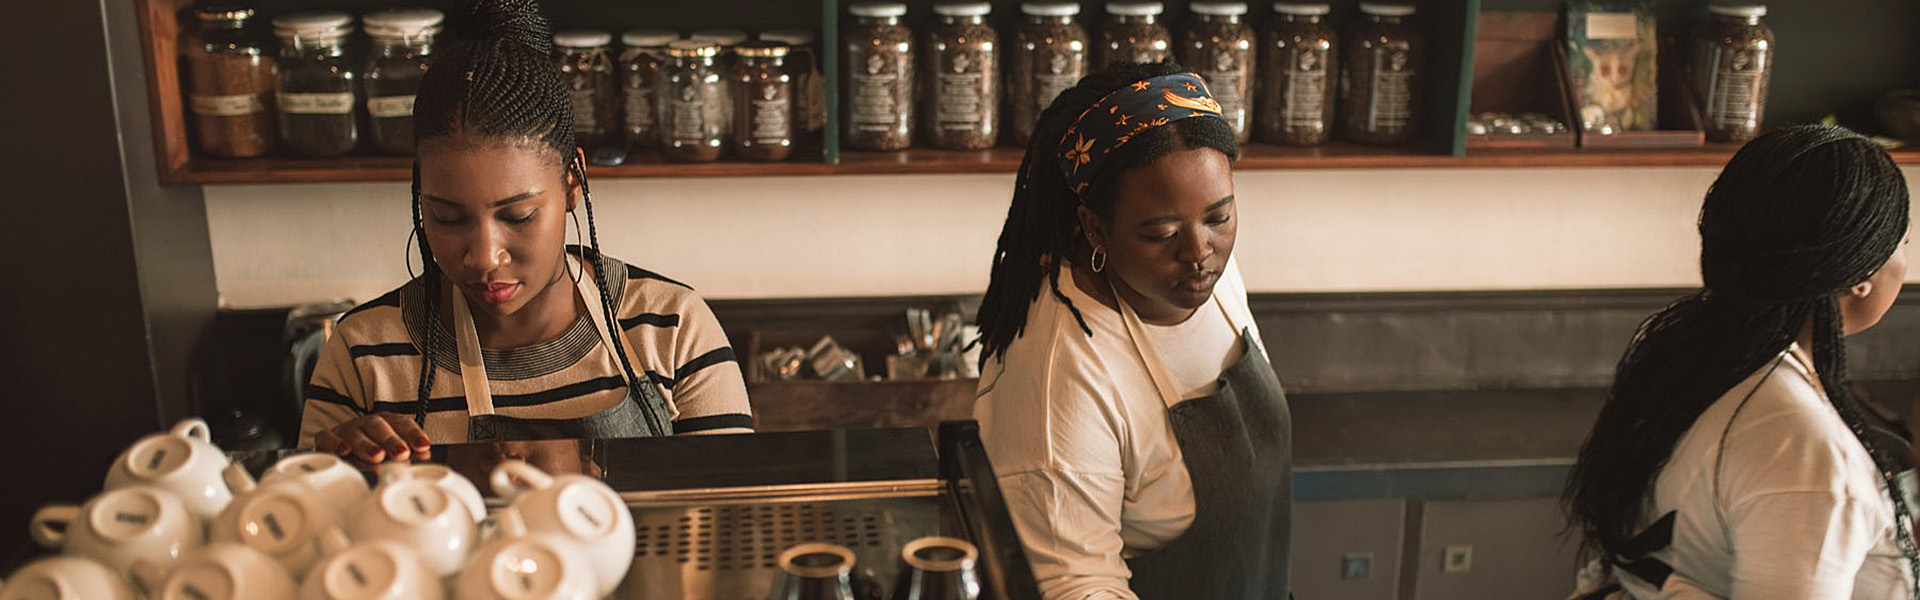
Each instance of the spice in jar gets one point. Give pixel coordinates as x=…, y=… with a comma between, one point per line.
x=1218, y=45
x=809, y=85
x=962, y=104
x=1133, y=34
x=587, y=69
x=880, y=78
x=1380, y=80
x=1049, y=57
x=1732, y=63
x=1296, y=76
x=763, y=93
x=694, y=104
x=317, y=86
x=402, y=42
x=640, y=65
x=230, y=83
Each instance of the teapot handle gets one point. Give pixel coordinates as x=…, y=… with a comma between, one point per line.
x=50, y=524
x=193, y=427
x=505, y=474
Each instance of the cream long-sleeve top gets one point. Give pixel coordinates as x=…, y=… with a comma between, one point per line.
x=1795, y=509
x=1079, y=436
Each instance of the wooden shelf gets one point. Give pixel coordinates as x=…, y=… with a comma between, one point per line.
x=998, y=160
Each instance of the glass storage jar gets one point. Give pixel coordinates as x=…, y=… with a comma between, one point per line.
x=318, y=87
x=879, y=90
x=643, y=56
x=1133, y=34
x=763, y=94
x=1732, y=65
x=962, y=73
x=809, y=85
x=402, y=44
x=694, y=103
x=1297, y=75
x=586, y=66
x=1048, y=56
x=230, y=83
x=1218, y=45
x=1380, y=77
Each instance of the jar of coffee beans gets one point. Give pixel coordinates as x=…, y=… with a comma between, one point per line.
x=230, y=83
x=1380, y=80
x=402, y=42
x=586, y=65
x=726, y=39
x=962, y=74
x=1133, y=34
x=694, y=103
x=809, y=85
x=1218, y=45
x=318, y=87
x=1297, y=76
x=1049, y=56
x=641, y=60
x=763, y=94
x=880, y=78
x=1732, y=65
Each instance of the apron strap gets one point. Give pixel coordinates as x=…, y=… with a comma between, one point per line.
x=1144, y=348
x=659, y=413
x=473, y=366
x=1635, y=556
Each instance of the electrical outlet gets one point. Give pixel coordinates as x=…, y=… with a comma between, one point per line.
x=1458, y=558
x=1356, y=565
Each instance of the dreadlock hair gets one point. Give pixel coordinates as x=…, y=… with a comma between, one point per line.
x=1043, y=224
x=497, y=82
x=1798, y=216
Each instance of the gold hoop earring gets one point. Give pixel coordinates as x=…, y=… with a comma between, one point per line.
x=1099, y=259
x=406, y=254
x=563, y=247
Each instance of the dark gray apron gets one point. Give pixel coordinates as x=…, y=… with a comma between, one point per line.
x=1238, y=448
x=646, y=416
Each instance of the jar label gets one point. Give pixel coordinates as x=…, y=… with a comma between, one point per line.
x=772, y=120
x=689, y=120
x=230, y=105
x=1392, y=102
x=639, y=108
x=585, y=120
x=1306, y=93
x=387, y=107
x=1229, y=87
x=876, y=106
x=1736, y=88
x=816, y=101
x=1047, y=86
x=339, y=103
x=960, y=101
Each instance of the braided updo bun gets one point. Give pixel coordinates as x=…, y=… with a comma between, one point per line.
x=496, y=80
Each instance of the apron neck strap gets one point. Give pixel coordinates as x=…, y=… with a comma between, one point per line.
x=1143, y=344
x=473, y=365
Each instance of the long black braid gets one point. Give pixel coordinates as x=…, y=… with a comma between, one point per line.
x=1799, y=216
x=496, y=82
x=1043, y=224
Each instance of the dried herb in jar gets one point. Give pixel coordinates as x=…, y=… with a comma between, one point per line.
x=587, y=69
x=230, y=83
x=1380, y=82
x=318, y=88
x=694, y=103
x=1732, y=65
x=962, y=107
x=763, y=92
x=402, y=43
x=1133, y=34
x=1297, y=76
x=1218, y=45
x=880, y=78
x=1049, y=57
x=644, y=57
x=810, y=86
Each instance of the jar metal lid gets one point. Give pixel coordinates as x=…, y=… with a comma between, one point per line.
x=878, y=10
x=1750, y=11
x=1051, y=9
x=1219, y=9
x=723, y=37
x=224, y=12
x=649, y=38
x=762, y=50
x=316, y=25
x=693, y=49
x=1135, y=9
x=791, y=37
x=963, y=9
x=402, y=22
x=1304, y=9
x=582, y=38
x=1387, y=10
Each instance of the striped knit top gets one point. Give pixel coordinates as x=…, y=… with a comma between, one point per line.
x=372, y=363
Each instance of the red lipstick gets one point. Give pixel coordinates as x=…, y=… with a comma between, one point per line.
x=495, y=293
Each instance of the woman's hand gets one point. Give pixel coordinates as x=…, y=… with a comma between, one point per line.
x=376, y=438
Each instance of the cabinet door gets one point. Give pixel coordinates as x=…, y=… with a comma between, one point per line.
x=1494, y=549
x=1348, y=550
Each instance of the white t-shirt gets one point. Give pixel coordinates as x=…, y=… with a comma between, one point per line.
x=1079, y=437
x=1799, y=511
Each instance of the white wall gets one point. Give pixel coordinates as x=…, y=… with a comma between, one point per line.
x=1336, y=230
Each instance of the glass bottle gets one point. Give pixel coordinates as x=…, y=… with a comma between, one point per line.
x=1732, y=65
x=810, y=86
x=1380, y=78
x=726, y=39
x=763, y=102
x=230, y=83
x=1297, y=76
x=1133, y=34
x=1218, y=45
x=586, y=66
x=694, y=103
x=879, y=90
x=317, y=90
x=962, y=74
x=641, y=60
x=1049, y=56
x=402, y=44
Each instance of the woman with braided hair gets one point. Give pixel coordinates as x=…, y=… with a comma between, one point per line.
x=1730, y=460
x=1140, y=436
x=510, y=332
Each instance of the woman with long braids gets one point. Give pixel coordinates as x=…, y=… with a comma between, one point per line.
x=1140, y=436
x=1730, y=460
x=511, y=333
